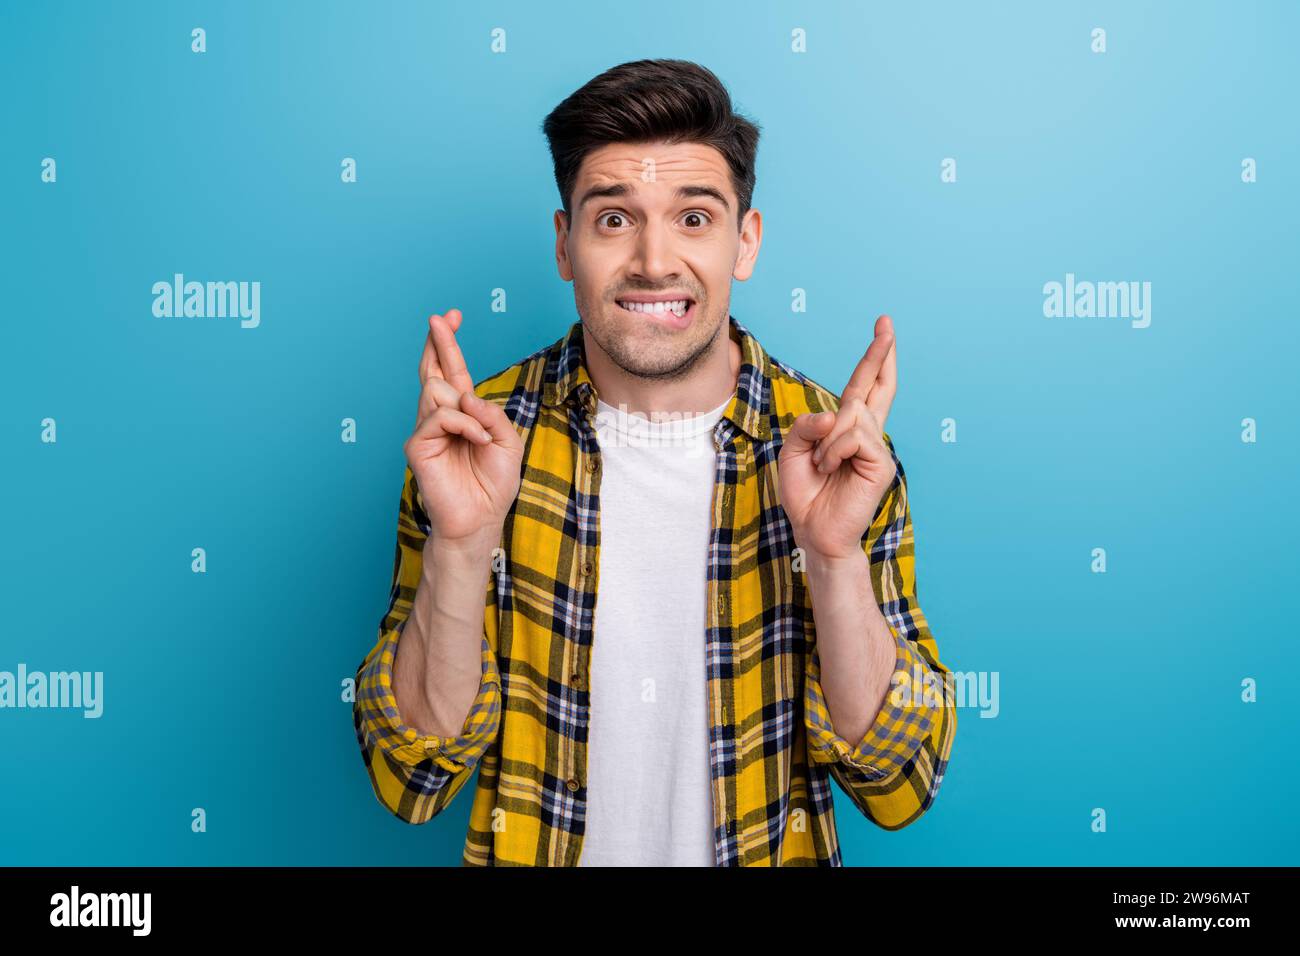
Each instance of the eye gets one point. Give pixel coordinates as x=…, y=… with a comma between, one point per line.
x=617, y=218
x=697, y=214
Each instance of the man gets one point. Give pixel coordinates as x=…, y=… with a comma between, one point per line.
x=656, y=585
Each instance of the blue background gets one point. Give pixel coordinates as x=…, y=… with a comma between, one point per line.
x=1118, y=690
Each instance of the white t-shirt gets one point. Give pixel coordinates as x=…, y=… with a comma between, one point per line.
x=649, y=794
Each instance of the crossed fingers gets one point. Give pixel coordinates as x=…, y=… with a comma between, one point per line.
x=445, y=378
x=864, y=404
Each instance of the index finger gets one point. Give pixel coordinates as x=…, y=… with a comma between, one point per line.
x=882, y=395
x=868, y=368
x=450, y=357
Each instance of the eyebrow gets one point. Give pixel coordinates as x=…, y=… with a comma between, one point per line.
x=683, y=192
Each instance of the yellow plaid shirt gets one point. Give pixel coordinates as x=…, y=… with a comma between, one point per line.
x=772, y=749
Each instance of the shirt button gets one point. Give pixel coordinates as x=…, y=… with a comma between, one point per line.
x=586, y=569
x=722, y=603
x=592, y=464
x=572, y=784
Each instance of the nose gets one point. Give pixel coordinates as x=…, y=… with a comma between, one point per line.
x=654, y=260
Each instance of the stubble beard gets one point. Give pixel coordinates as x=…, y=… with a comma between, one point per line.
x=628, y=355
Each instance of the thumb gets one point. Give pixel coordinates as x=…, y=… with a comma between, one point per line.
x=806, y=431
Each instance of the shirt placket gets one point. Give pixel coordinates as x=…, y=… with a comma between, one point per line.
x=720, y=657
x=587, y=474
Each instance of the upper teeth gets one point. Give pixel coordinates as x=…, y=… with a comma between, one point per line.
x=677, y=306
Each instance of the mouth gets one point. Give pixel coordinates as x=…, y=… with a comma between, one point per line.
x=673, y=313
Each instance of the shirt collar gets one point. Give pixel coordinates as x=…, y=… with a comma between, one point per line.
x=566, y=374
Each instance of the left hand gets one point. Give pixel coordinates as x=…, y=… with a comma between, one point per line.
x=834, y=467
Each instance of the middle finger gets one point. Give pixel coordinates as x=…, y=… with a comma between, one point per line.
x=429, y=364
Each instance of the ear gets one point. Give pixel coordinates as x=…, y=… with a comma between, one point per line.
x=751, y=237
x=562, y=246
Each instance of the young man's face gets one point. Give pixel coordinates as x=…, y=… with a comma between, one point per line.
x=654, y=221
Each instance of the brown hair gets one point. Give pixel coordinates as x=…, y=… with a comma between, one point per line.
x=645, y=100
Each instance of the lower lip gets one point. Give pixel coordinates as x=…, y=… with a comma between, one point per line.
x=668, y=319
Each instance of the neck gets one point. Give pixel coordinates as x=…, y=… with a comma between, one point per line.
x=709, y=383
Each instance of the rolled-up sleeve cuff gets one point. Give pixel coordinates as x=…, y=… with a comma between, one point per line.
x=385, y=730
x=899, y=729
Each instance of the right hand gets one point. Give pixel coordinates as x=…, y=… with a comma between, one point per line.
x=465, y=453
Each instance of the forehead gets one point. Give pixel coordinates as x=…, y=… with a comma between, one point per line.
x=672, y=163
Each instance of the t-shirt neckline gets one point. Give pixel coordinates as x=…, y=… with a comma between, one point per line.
x=680, y=424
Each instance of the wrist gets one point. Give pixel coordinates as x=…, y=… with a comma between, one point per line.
x=818, y=550
x=465, y=551
x=822, y=562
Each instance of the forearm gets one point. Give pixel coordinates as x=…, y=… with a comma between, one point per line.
x=855, y=645
x=437, y=668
